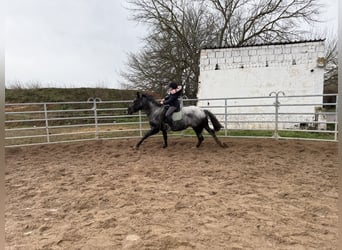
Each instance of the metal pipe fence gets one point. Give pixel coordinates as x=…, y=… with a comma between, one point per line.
x=275, y=116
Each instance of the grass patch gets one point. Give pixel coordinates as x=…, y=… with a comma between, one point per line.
x=33, y=95
x=261, y=133
x=269, y=133
x=307, y=135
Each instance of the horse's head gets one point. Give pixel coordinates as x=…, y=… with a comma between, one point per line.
x=136, y=105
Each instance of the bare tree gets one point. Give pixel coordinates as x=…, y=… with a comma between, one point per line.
x=331, y=56
x=331, y=70
x=242, y=22
x=180, y=28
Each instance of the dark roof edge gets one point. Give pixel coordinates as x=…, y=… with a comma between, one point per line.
x=266, y=44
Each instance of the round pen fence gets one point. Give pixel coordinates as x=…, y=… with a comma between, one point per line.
x=276, y=116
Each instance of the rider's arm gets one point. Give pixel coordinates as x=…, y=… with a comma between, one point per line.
x=164, y=99
x=170, y=99
x=174, y=91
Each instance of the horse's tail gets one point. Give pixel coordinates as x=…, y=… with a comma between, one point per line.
x=216, y=124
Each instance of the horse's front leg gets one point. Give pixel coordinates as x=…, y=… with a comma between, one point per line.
x=165, y=138
x=153, y=131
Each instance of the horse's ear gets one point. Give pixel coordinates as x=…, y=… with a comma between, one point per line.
x=138, y=95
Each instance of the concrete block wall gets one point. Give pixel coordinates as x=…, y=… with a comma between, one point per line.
x=262, y=55
x=294, y=68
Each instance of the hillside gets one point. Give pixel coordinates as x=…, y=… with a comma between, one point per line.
x=65, y=94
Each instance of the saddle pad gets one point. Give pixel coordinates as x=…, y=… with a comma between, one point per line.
x=176, y=116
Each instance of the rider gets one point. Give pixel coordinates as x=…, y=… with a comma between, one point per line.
x=171, y=101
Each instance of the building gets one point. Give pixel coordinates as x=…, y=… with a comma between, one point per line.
x=295, y=68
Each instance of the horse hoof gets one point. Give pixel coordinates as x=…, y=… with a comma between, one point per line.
x=164, y=146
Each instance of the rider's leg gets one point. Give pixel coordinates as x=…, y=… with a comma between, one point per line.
x=168, y=115
x=163, y=112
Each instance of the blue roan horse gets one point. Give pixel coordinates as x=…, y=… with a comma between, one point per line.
x=191, y=116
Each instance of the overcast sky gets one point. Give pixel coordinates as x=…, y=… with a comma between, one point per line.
x=76, y=43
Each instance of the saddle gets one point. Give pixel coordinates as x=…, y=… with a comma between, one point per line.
x=176, y=116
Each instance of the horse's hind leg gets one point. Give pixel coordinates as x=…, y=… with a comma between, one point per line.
x=212, y=133
x=200, y=137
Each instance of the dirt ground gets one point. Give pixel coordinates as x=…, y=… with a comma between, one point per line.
x=254, y=194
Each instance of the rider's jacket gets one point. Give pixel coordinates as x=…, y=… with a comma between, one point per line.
x=172, y=100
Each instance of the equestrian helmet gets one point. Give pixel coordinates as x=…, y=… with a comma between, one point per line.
x=173, y=85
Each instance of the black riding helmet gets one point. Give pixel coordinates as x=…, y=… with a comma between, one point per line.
x=173, y=85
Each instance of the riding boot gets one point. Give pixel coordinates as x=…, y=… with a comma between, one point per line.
x=163, y=119
x=168, y=120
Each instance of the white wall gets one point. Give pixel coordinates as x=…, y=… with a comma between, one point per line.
x=293, y=68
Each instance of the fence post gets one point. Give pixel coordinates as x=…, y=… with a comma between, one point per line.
x=95, y=119
x=276, y=105
x=46, y=123
x=225, y=117
x=336, y=119
x=140, y=125
x=181, y=106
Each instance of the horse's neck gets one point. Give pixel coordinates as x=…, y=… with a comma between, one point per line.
x=151, y=108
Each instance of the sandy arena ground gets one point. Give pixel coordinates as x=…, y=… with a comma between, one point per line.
x=255, y=194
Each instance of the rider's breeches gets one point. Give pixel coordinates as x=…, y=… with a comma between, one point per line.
x=169, y=112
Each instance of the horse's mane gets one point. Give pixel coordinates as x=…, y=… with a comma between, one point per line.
x=151, y=99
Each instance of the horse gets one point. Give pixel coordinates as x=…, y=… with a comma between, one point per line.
x=191, y=116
